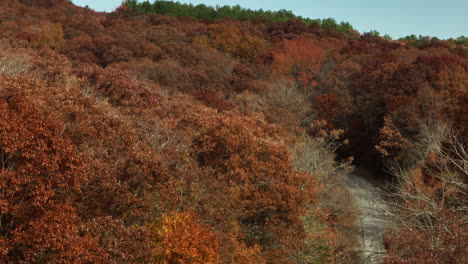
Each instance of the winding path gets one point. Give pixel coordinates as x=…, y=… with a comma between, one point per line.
x=372, y=208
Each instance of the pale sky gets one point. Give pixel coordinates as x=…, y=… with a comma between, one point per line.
x=397, y=18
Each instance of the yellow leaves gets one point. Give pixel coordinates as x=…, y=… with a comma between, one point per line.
x=180, y=238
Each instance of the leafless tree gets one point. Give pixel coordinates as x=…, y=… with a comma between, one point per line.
x=432, y=188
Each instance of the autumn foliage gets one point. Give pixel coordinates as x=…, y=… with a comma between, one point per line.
x=42, y=174
x=300, y=59
x=135, y=137
x=179, y=238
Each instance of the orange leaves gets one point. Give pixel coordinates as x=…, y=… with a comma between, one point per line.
x=301, y=59
x=226, y=136
x=180, y=238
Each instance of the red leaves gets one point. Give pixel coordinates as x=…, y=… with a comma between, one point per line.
x=300, y=59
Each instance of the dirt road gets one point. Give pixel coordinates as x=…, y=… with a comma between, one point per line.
x=371, y=207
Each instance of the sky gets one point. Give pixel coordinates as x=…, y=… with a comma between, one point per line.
x=397, y=18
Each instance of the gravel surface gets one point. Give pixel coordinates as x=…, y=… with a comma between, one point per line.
x=372, y=207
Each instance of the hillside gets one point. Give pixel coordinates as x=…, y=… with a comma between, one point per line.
x=142, y=137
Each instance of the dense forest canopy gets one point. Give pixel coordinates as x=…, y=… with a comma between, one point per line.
x=171, y=133
x=201, y=11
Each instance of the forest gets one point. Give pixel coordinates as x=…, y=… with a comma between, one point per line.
x=171, y=133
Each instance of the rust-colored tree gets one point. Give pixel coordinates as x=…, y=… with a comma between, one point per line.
x=254, y=182
x=41, y=174
x=391, y=141
x=301, y=59
x=327, y=106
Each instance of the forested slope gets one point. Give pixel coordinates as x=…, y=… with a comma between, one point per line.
x=128, y=137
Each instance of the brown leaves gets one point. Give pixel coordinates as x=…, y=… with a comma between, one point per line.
x=230, y=39
x=445, y=244
x=257, y=182
x=41, y=174
x=391, y=140
x=44, y=35
x=91, y=155
x=327, y=106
